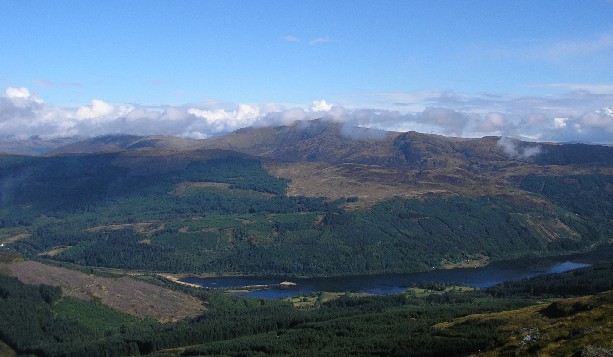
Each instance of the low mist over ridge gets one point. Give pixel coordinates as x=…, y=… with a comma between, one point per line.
x=577, y=117
x=327, y=141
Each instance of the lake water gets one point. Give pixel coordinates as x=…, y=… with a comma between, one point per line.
x=388, y=283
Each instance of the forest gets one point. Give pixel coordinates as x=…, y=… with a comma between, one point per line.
x=39, y=320
x=222, y=212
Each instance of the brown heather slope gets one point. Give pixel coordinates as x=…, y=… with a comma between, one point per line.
x=372, y=184
x=369, y=183
x=567, y=327
x=124, y=294
x=334, y=160
x=313, y=141
x=335, y=143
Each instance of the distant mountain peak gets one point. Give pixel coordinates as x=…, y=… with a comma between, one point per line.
x=334, y=142
x=120, y=142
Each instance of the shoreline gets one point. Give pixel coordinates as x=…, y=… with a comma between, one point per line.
x=534, y=260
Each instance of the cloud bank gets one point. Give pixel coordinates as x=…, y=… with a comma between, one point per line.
x=579, y=115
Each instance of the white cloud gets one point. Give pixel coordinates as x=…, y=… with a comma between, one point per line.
x=97, y=109
x=320, y=106
x=492, y=122
x=140, y=114
x=597, y=120
x=574, y=116
x=284, y=117
x=222, y=120
x=17, y=92
x=450, y=121
x=528, y=117
x=559, y=123
x=518, y=150
x=21, y=97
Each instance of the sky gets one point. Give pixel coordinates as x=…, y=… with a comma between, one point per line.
x=537, y=70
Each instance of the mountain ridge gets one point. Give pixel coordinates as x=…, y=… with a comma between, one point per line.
x=336, y=160
x=334, y=143
x=290, y=197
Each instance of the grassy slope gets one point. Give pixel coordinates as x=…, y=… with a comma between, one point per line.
x=564, y=327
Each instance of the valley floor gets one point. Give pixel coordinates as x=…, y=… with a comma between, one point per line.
x=558, y=314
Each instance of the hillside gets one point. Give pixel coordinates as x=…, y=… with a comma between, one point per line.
x=115, y=143
x=313, y=199
x=33, y=145
x=334, y=160
x=335, y=143
x=284, y=200
x=429, y=320
x=566, y=327
x=121, y=293
x=313, y=141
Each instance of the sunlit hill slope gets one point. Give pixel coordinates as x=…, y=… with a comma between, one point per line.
x=283, y=200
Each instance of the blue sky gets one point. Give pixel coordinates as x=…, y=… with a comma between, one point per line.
x=538, y=70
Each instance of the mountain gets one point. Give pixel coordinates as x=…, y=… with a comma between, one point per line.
x=115, y=143
x=314, y=198
x=314, y=141
x=32, y=146
x=334, y=143
x=334, y=160
x=283, y=200
x=324, y=158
